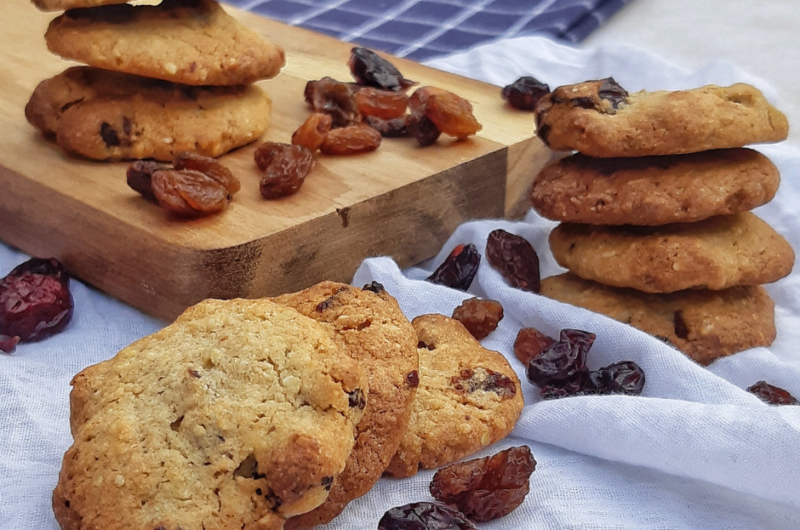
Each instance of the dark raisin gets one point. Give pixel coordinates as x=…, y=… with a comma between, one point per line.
x=611, y=91
x=35, y=302
x=525, y=92
x=480, y=317
x=488, y=488
x=681, y=331
x=412, y=378
x=422, y=128
x=327, y=482
x=563, y=361
x=140, y=177
x=514, y=258
x=334, y=98
x=624, y=377
x=424, y=516
x=469, y=381
x=285, y=168
x=368, y=68
x=394, y=128
x=772, y=394
x=459, y=269
x=530, y=344
x=374, y=287
x=356, y=399
x=109, y=135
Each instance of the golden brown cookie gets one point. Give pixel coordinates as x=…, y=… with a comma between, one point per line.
x=705, y=325
x=654, y=190
x=111, y=116
x=63, y=5
x=193, y=42
x=468, y=397
x=600, y=119
x=715, y=253
x=237, y=415
x=368, y=325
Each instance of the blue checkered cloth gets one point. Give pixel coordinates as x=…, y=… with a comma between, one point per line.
x=422, y=29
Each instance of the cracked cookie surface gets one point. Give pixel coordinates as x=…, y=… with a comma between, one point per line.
x=237, y=415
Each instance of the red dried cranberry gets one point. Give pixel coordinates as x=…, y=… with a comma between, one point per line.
x=459, y=269
x=424, y=516
x=35, y=301
x=525, y=92
x=369, y=68
x=563, y=361
x=772, y=394
x=514, y=258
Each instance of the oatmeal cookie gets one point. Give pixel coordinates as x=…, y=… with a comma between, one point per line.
x=193, y=42
x=368, y=325
x=468, y=397
x=715, y=253
x=64, y=5
x=654, y=190
x=106, y=115
x=600, y=119
x=705, y=325
x=237, y=415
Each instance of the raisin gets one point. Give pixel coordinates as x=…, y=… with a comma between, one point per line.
x=525, y=92
x=487, y=488
x=394, y=128
x=419, y=99
x=422, y=128
x=611, y=91
x=357, y=399
x=285, y=168
x=424, y=516
x=530, y=344
x=452, y=115
x=358, y=138
x=383, y=104
x=109, y=135
x=189, y=193
x=459, y=269
x=772, y=394
x=624, y=377
x=140, y=177
x=480, y=317
x=312, y=133
x=374, y=287
x=681, y=331
x=335, y=98
x=8, y=344
x=514, y=258
x=208, y=166
x=368, y=68
x=35, y=302
x=469, y=381
x=564, y=361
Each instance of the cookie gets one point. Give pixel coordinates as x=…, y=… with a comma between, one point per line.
x=705, y=325
x=106, y=115
x=63, y=5
x=193, y=42
x=369, y=326
x=468, y=398
x=715, y=253
x=654, y=190
x=600, y=119
x=237, y=415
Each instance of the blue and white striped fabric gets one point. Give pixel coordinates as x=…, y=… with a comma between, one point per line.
x=422, y=29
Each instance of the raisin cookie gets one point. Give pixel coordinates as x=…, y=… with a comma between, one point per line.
x=193, y=42
x=237, y=415
x=600, y=119
x=655, y=190
x=705, y=325
x=468, y=397
x=368, y=325
x=106, y=115
x=715, y=253
x=64, y=5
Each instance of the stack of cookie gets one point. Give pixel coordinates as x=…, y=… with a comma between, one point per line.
x=162, y=79
x=656, y=230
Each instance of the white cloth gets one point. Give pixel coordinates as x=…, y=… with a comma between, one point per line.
x=695, y=451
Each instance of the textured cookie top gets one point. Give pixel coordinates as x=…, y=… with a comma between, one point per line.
x=600, y=119
x=705, y=325
x=193, y=42
x=369, y=326
x=654, y=190
x=715, y=253
x=63, y=5
x=468, y=397
x=235, y=416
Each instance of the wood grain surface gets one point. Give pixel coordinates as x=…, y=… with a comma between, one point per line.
x=401, y=200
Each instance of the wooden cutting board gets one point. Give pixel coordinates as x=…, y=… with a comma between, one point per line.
x=401, y=200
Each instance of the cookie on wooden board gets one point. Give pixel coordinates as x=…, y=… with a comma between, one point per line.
x=237, y=415
x=654, y=190
x=600, y=119
x=715, y=253
x=705, y=325
x=468, y=398
x=194, y=42
x=106, y=115
x=368, y=325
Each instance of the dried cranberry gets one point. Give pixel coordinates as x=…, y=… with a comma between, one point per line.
x=486, y=488
x=563, y=361
x=772, y=394
x=369, y=68
x=525, y=92
x=514, y=258
x=624, y=377
x=424, y=516
x=459, y=269
x=530, y=344
x=480, y=317
x=35, y=301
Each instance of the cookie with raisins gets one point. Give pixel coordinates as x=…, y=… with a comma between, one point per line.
x=601, y=119
x=468, y=398
x=705, y=325
x=368, y=325
x=237, y=415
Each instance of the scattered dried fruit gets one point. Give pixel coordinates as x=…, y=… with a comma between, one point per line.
x=335, y=98
x=313, y=132
x=772, y=394
x=488, y=488
x=140, y=177
x=564, y=361
x=625, y=377
x=285, y=168
x=383, y=104
x=530, y=344
x=515, y=259
x=189, y=193
x=424, y=516
x=419, y=99
x=354, y=139
x=422, y=128
x=208, y=166
x=368, y=68
x=480, y=317
x=459, y=269
x=395, y=128
x=452, y=115
x=525, y=92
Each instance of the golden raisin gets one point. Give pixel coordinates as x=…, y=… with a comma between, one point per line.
x=480, y=317
x=312, y=133
x=208, y=166
x=420, y=97
x=358, y=138
x=188, y=192
x=383, y=104
x=452, y=115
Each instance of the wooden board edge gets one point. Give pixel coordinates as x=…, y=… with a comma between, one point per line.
x=525, y=160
